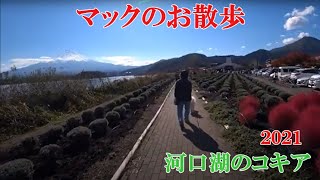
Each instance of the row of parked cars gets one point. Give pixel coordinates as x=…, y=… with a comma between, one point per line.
x=308, y=77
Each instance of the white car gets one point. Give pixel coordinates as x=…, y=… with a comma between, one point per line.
x=300, y=73
x=304, y=81
x=284, y=73
x=314, y=81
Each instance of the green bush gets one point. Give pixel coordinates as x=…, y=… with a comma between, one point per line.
x=110, y=105
x=273, y=89
x=269, y=88
x=264, y=97
x=134, y=103
x=17, y=169
x=117, y=102
x=144, y=88
x=224, y=94
x=123, y=99
x=142, y=99
x=224, y=89
x=113, y=118
x=204, y=85
x=272, y=101
x=126, y=105
x=243, y=94
x=277, y=92
x=121, y=110
x=129, y=95
x=99, y=112
x=241, y=90
x=87, y=117
x=260, y=93
x=285, y=96
x=256, y=89
x=137, y=93
x=72, y=123
x=153, y=91
x=145, y=95
x=212, y=88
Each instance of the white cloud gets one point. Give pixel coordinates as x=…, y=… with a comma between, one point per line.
x=315, y=26
x=287, y=15
x=4, y=67
x=295, y=22
x=24, y=62
x=209, y=49
x=288, y=40
x=282, y=35
x=269, y=44
x=277, y=42
x=72, y=57
x=124, y=60
x=291, y=39
x=315, y=15
x=307, y=11
x=297, y=18
x=303, y=34
x=200, y=51
x=118, y=60
x=243, y=47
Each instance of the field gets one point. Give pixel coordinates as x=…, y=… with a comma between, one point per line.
x=69, y=148
x=246, y=106
x=39, y=104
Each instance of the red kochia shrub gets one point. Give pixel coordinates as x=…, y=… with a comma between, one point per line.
x=308, y=124
x=249, y=101
x=248, y=115
x=248, y=107
x=299, y=101
x=313, y=98
x=283, y=116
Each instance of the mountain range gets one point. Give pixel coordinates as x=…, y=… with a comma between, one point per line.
x=72, y=67
x=307, y=45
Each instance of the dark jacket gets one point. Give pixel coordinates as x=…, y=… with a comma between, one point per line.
x=183, y=90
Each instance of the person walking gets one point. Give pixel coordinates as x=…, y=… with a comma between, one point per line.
x=182, y=94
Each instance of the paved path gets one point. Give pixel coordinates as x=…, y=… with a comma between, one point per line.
x=165, y=135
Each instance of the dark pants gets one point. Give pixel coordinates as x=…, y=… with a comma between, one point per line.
x=183, y=105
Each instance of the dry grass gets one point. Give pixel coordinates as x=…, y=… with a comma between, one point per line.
x=35, y=104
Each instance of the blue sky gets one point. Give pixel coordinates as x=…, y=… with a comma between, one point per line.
x=45, y=31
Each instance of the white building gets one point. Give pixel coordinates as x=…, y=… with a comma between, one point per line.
x=229, y=65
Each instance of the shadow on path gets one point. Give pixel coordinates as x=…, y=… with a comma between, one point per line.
x=201, y=139
x=196, y=114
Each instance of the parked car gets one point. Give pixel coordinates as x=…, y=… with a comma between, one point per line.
x=285, y=72
x=304, y=81
x=254, y=72
x=300, y=73
x=267, y=72
x=261, y=71
x=314, y=81
x=271, y=72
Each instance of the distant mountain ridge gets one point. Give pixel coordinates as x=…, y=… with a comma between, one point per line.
x=72, y=67
x=307, y=45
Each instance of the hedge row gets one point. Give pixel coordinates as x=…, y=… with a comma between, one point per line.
x=75, y=135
